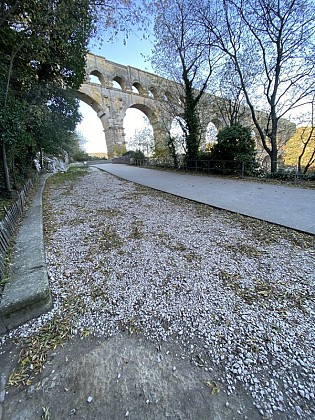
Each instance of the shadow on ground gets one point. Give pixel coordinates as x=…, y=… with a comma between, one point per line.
x=122, y=377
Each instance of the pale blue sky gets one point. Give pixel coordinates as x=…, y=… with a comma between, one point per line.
x=132, y=54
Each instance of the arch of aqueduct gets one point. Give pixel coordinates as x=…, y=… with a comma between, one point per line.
x=122, y=87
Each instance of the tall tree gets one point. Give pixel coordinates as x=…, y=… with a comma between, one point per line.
x=42, y=58
x=183, y=53
x=271, y=45
x=42, y=47
x=229, y=99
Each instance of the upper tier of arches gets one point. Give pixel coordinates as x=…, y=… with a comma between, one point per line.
x=127, y=79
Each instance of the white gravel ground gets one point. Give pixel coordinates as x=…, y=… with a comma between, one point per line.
x=234, y=292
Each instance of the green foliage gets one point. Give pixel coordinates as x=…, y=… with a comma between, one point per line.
x=235, y=144
x=42, y=64
x=136, y=154
x=15, y=137
x=49, y=39
x=51, y=124
x=80, y=156
x=291, y=175
x=171, y=144
x=301, y=144
x=73, y=146
x=12, y=123
x=204, y=155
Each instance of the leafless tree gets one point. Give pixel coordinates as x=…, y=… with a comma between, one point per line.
x=142, y=140
x=229, y=100
x=117, y=17
x=271, y=45
x=307, y=138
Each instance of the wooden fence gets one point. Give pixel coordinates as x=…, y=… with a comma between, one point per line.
x=9, y=223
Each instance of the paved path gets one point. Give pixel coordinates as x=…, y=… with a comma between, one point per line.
x=286, y=206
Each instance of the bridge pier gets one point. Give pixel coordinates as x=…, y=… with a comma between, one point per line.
x=115, y=140
x=114, y=134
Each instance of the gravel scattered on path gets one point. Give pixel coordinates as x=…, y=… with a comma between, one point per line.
x=234, y=292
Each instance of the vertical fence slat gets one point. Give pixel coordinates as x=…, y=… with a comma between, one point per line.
x=9, y=223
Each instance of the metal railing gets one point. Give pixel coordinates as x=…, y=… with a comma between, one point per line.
x=221, y=167
x=224, y=167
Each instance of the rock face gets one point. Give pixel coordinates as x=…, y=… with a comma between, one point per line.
x=52, y=163
x=55, y=164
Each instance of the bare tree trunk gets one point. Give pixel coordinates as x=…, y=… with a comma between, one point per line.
x=299, y=167
x=308, y=140
x=273, y=140
x=274, y=160
x=6, y=174
x=310, y=162
x=172, y=149
x=41, y=158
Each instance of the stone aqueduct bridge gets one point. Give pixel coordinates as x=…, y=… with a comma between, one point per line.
x=122, y=87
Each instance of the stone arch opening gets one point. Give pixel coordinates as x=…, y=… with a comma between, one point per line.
x=89, y=101
x=139, y=129
x=177, y=132
x=119, y=83
x=138, y=88
x=167, y=96
x=92, y=129
x=152, y=92
x=97, y=78
x=211, y=133
x=116, y=85
x=148, y=112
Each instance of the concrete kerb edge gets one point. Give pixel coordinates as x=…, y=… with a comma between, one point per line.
x=210, y=205
x=19, y=304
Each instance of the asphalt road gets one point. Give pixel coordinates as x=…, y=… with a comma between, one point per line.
x=292, y=207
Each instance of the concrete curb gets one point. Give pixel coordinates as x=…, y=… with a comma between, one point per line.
x=27, y=294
